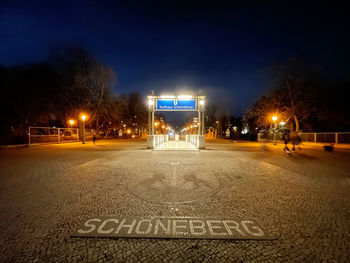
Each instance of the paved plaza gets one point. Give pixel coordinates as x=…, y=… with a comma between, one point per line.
x=301, y=200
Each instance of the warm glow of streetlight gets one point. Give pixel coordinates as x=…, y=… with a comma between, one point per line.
x=163, y=127
x=128, y=131
x=185, y=96
x=191, y=126
x=83, y=117
x=156, y=124
x=71, y=122
x=274, y=118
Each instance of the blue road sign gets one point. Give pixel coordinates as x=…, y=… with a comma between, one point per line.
x=175, y=104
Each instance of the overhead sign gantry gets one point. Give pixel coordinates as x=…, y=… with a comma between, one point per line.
x=176, y=103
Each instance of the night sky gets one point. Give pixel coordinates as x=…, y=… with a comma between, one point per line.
x=223, y=49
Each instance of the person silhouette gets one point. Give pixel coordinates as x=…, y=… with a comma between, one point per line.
x=286, y=140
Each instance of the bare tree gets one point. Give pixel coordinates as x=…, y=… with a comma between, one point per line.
x=293, y=96
x=87, y=85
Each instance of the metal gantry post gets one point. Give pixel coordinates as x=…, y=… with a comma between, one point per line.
x=203, y=123
x=200, y=122
x=149, y=123
x=152, y=122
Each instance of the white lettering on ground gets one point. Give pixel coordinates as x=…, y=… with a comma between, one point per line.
x=131, y=226
x=213, y=227
x=167, y=229
x=100, y=229
x=176, y=227
x=259, y=232
x=230, y=224
x=140, y=232
x=87, y=224
x=194, y=227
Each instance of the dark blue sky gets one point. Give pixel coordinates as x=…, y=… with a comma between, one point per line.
x=188, y=45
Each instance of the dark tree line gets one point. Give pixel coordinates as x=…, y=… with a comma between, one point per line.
x=304, y=98
x=52, y=92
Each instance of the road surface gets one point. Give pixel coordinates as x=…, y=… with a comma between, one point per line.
x=301, y=200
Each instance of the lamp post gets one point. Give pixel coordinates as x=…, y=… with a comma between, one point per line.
x=274, y=118
x=83, y=117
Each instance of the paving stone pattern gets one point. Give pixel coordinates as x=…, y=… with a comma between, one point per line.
x=46, y=192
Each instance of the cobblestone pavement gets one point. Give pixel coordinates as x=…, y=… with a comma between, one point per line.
x=301, y=199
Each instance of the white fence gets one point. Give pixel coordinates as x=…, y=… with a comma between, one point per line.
x=319, y=137
x=197, y=140
x=52, y=135
x=154, y=140
x=326, y=137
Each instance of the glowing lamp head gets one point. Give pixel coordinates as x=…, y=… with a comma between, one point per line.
x=128, y=131
x=83, y=117
x=71, y=122
x=274, y=118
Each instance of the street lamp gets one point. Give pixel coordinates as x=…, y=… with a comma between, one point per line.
x=83, y=117
x=274, y=118
x=71, y=122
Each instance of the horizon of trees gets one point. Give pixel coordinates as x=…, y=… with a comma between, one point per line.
x=50, y=93
x=71, y=81
x=304, y=97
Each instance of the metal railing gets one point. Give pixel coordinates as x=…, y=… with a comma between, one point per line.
x=317, y=137
x=52, y=135
x=197, y=140
x=192, y=138
x=325, y=137
x=154, y=140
